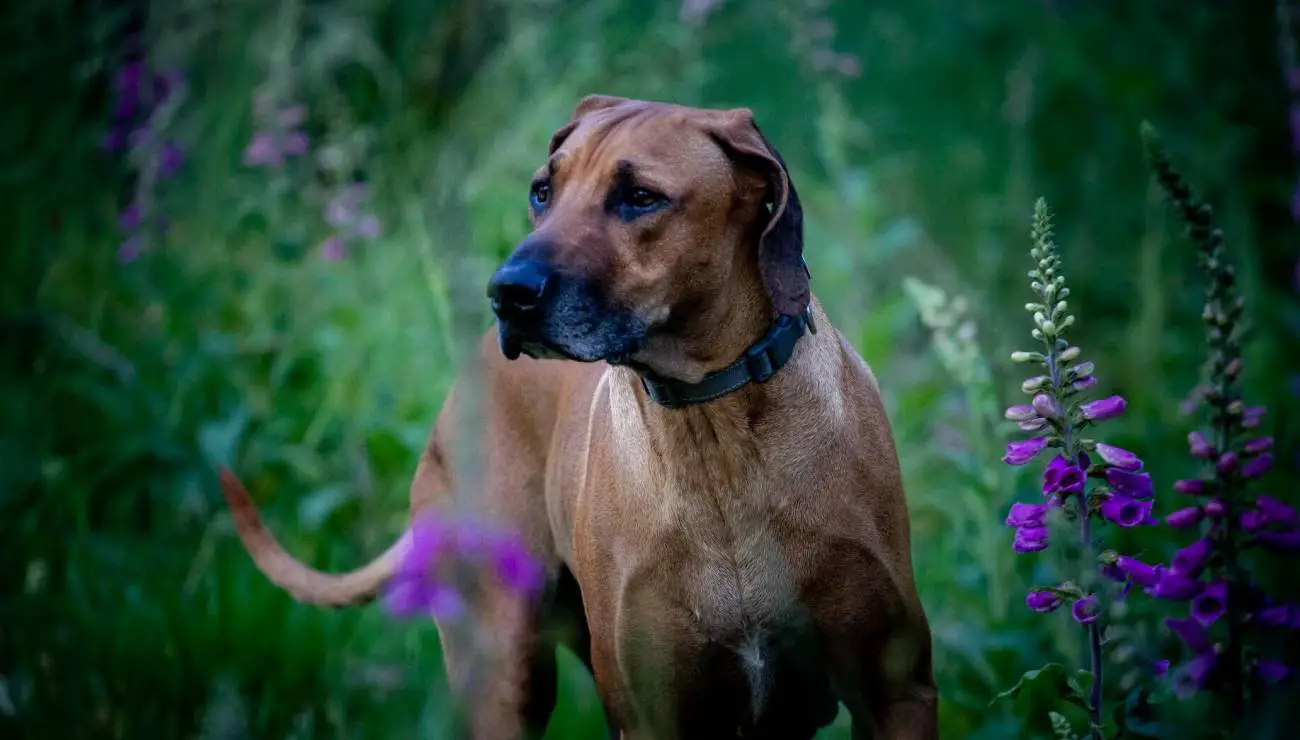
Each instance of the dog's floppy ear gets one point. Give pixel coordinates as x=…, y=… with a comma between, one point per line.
x=589, y=104
x=780, y=245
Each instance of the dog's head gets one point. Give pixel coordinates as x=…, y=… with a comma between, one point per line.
x=662, y=235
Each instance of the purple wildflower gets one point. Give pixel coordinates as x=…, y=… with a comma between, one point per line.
x=1118, y=457
x=1043, y=601
x=1211, y=603
x=1257, y=466
x=1020, y=453
x=1227, y=463
x=1030, y=539
x=333, y=249
x=1062, y=476
x=1284, y=616
x=1192, y=676
x=1279, y=541
x=1125, y=511
x=1276, y=512
x=1085, y=610
x=1191, y=560
x=1185, y=518
x=1132, y=485
x=1142, y=574
x=1257, y=446
x=1024, y=412
x=1083, y=384
x=1272, y=672
x=1026, y=515
x=1045, y=406
x=1105, y=408
x=1173, y=587
x=1200, y=446
x=1191, y=632
x=1192, y=487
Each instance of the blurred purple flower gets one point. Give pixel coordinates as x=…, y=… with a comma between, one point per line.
x=1024, y=412
x=1272, y=672
x=1284, y=616
x=1227, y=463
x=130, y=218
x=1042, y=601
x=368, y=227
x=1106, y=408
x=1200, y=446
x=1192, y=487
x=1083, y=384
x=262, y=151
x=333, y=249
x=1173, y=587
x=1257, y=466
x=1257, y=446
x=170, y=159
x=1019, y=453
x=1191, y=560
x=1279, y=541
x=130, y=250
x=1191, y=632
x=1191, y=676
x=1185, y=518
x=1142, y=574
x=1211, y=603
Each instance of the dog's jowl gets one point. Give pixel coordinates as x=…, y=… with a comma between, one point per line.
x=681, y=435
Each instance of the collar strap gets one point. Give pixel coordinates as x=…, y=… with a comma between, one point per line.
x=759, y=363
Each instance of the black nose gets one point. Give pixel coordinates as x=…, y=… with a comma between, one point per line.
x=517, y=286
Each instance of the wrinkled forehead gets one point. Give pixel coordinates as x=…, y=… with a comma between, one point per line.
x=658, y=143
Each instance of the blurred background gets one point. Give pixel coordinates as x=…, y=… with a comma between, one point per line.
x=257, y=233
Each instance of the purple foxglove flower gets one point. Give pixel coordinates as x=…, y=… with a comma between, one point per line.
x=368, y=227
x=1045, y=406
x=1272, y=672
x=1192, y=487
x=1257, y=466
x=1257, y=446
x=1250, y=417
x=1211, y=603
x=129, y=76
x=130, y=250
x=1124, y=511
x=263, y=151
x=1021, y=413
x=1280, y=541
x=1159, y=668
x=339, y=212
x=293, y=116
x=1193, y=674
x=1118, y=457
x=1200, y=446
x=1019, y=453
x=1285, y=616
x=1276, y=512
x=1142, y=574
x=130, y=218
x=1215, y=509
x=1042, y=601
x=1032, y=425
x=333, y=249
x=1132, y=485
x=170, y=160
x=515, y=566
x=1060, y=476
x=415, y=589
x=1026, y=515
x=1030, y=539
x=296, y=143
x=407, y=597
x=1106, y=408
x=1191, y=560
x=1173, y=587
x=1191, y=632
x=1185, y=518
x=1086, y=610
x=1227, y=463
x=1084, y=383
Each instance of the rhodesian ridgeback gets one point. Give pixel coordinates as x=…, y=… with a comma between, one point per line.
x=700, y=459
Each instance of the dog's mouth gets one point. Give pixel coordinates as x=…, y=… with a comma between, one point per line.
x=616, y=350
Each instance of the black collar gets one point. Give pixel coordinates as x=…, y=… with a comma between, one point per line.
x=759, y=363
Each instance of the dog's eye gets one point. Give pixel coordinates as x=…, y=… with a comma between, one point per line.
x=539, y=194
x=631, y=203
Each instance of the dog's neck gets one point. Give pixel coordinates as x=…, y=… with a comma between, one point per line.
x=722, y=436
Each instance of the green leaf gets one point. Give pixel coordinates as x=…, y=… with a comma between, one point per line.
x=1081, y=684
x=1031, y=680
x=1043, y=692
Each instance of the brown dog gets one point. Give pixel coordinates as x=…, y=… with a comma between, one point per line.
x=719, y=501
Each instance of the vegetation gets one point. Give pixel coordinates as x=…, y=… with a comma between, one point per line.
x=257, y=233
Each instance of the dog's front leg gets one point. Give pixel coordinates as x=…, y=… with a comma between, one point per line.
x=491, y=656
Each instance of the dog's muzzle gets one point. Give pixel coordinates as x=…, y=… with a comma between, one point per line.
x=545, y=313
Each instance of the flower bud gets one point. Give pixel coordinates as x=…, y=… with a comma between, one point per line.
x=1082, y=369
x=1066, y=322
x=1036, y=334
x=1200, y=446
x=1035, y=384
x=1046, y=406
x=1039, y=318
x=1227, y=463
x=1215, y=509
x=1049, y=328
x=1026, y=357
x=1021, y=413
x=1069, y=355
x=1233, y=369
x=1032, y=425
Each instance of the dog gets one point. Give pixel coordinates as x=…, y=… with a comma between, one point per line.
x=700, y=459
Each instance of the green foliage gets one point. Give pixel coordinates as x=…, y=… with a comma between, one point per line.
x=916, y=131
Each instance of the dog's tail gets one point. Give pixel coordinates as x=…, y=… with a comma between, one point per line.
x=303, y=582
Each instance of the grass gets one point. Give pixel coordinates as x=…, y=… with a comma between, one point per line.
x=129, y=607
